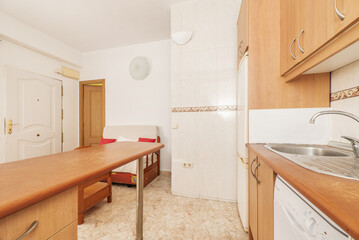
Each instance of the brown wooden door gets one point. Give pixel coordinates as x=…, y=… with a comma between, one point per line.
x=252, y=198
x=312, y=30
x=93, y=115
x=265, y=203
x=242, y=27
x=350, y=10
x=288, y=35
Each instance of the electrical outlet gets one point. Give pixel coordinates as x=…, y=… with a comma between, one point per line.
x=187, y=165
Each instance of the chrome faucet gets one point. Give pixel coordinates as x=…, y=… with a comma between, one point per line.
x=354, y=141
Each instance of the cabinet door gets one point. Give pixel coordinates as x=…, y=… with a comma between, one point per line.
x=265, y=203
x=348, y=8
x=242, y=27
x=288, y=34
x=252, y=197
x=312, y=30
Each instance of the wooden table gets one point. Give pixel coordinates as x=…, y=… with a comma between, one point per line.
x=27, y=182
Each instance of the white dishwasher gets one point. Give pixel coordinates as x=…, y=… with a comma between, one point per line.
x=296, y=218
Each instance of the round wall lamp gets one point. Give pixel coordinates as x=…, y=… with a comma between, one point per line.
x=139, y=68
x=181, y=37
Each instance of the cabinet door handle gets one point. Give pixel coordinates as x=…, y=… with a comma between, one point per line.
x=290, y=48
x=251, y=168
x=340, y=15
x=300, y=48
x=29, y=230
x=255, y=170
x=239, y=48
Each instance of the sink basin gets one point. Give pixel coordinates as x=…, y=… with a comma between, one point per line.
x=308, y=150
x=322, y=159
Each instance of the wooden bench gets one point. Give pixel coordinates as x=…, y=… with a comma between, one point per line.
x=93, y=192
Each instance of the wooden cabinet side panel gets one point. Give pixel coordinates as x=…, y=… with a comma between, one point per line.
x=252, y=198
x=265, y=202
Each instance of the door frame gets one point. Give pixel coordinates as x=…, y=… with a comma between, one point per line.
x=81, y=105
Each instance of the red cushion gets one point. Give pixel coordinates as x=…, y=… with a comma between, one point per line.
x=106, y=140
x=147, y=140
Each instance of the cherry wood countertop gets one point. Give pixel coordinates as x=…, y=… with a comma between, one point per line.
x=337, y=197
x=26, y=182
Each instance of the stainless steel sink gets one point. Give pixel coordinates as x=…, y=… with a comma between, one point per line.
x=308, y=150
x=323, y=159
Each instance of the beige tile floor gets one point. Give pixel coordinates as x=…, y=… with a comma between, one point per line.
x=165, y=216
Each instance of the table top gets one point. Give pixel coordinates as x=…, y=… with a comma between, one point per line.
x=26, y=182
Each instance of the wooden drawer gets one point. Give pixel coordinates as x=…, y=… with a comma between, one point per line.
x=52, y=214
x=68, y=233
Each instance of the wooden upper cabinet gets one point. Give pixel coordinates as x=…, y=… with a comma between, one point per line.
x=242, y=28
x=312, y=26
x=288, y=34
x=308, y=28
x=341, y=14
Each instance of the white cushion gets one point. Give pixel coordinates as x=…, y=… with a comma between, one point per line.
x=130, y=132
x=125, y=139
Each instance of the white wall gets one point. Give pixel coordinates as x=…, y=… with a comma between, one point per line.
x=23, y=58
x=16, y=31
x=288, y=126
x=133, y=102
x=203, y=73
x=341, y=80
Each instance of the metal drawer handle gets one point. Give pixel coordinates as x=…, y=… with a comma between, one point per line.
x=255, y=169
x=28, y=231
x=300, y=48
x=340, y=15
x=290, y=48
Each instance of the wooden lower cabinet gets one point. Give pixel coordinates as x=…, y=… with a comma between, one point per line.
x=53, y=215
x=261, y=199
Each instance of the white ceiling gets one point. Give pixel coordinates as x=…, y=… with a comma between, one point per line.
x=88, y=25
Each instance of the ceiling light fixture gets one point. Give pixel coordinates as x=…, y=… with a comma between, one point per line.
x=181, y=37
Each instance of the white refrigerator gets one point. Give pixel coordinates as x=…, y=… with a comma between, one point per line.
x=242, y=140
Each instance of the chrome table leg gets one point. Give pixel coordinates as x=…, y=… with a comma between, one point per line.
x=139, y=210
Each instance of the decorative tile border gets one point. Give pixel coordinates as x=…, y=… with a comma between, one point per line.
x=206, y=108
x=343, y=94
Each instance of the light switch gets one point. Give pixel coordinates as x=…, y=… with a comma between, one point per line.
x=174, y=125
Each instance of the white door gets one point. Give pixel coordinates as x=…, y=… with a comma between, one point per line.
x=33, y=104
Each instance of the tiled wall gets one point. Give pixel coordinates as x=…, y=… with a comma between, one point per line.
x=345, y=97
x=203, y=79
x=288, y=126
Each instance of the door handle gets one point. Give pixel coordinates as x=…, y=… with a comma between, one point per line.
x=290, y=48
x=9, y=126
x=255, y=169
x=340, y=15
x=300, y=48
